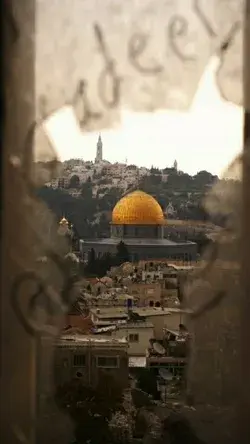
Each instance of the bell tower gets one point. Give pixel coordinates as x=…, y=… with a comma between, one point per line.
x=99, y=150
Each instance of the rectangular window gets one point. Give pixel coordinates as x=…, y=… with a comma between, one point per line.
x=107, y=361
x=134, y=337
x=79, y=360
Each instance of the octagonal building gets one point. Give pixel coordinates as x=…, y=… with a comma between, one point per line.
x=138, y=221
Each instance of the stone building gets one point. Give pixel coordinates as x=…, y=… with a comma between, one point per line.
x=89, y=357
x=138, y=335
x=161, y=318
x=146, y=294
x=139, y=222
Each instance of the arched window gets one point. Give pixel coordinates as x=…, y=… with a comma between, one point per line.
x=151, y=303
x=157, y=304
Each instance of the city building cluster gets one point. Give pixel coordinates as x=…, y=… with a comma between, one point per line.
x=133, y=318
x=102, y=174
x=130, y=319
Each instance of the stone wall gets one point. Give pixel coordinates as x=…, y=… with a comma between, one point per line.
x=65, y=370
x=187, y=251
x=137, y=231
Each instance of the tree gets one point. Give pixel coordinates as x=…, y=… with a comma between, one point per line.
x=86, y=190
x=204, y=178
x=92, y=257
x=91, y=265
x=91, y=408
x=74, y=181
x=104, y=181
x=154, y=170
x=122, y=254
x=147, y=382
x=72, y=262
x=76, y=209
x=179, y=182
x=155, y=179
x=121, y=426
x=104, y=264
x=89, y=288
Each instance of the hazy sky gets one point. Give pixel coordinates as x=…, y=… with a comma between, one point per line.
x=208, y=137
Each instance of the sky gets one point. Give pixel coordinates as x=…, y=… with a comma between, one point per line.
x=207, y=137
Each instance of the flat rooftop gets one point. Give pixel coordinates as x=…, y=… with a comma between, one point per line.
x=137, y=361
x=181, y=267
x=155, y=311
x=116, y=297
x=136, y=241
x=109, y=312
x=118, y=312
x=136, y=325
x=77, y=340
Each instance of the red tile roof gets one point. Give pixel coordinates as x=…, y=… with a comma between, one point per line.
x=78, y=322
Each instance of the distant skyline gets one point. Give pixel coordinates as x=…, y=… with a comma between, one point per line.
x=207, y=137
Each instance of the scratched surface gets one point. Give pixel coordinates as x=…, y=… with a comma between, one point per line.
x=214, y=292
x=73, y=57
x=104, y=55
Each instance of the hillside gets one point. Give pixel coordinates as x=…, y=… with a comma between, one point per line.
x=87, y=193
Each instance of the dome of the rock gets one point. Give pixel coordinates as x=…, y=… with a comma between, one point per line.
x=137, y=208
x=138, y=232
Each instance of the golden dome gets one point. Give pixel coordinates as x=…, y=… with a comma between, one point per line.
x=137, y=208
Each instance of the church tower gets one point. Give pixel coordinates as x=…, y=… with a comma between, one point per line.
x=99, y=150
x=175, y=166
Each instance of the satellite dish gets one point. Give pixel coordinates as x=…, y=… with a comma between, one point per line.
x=165, y=374
x=159, y=348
